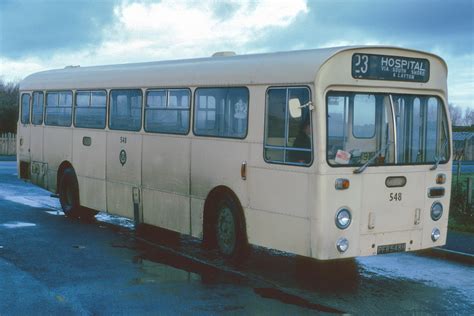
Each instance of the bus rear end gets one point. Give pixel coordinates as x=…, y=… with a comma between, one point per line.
x=385, y=171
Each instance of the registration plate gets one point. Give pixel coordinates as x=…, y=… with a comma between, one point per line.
x=391, y=248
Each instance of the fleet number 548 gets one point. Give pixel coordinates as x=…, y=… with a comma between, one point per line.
x=395, y=197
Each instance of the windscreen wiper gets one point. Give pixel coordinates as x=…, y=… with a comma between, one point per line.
x=438, y=158
x=372, y=159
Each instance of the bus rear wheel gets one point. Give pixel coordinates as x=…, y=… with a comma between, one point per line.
x=69, y=193
x=230, y=231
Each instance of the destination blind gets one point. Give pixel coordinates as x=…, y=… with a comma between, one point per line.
x=382, y=67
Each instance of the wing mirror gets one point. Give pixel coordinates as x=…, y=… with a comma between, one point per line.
x=295, y=108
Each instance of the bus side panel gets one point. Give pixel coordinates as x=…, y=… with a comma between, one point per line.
x=166, y=210
x=57, y=148
x=279, y=191
x=217, y=162
x=278, y=231
x=165, y=180
x=89, y=164
x=278, y=215
x=197, y=217
x=124, y=162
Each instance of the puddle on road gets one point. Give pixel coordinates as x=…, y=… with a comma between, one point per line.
x=156, y=272
x=161, y=267
x=17, y=225
x=159, y=262
x=294, y=300
x=171, y=261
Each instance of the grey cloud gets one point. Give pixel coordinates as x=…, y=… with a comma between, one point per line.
x=41, y=27
x=224, y=10
x=423, y=24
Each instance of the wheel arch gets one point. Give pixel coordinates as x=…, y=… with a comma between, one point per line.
x=209, y=216
x=63, y=166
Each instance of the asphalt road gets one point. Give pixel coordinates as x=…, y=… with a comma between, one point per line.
x=50, y=264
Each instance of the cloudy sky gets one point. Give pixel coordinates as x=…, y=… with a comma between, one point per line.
x=44, y=34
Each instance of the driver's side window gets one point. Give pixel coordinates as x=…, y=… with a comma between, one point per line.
x=288, y=131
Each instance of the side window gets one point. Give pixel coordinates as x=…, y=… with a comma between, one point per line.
x=125, y=110
x=25, y=108
x=221, y=112
x=288, y=132
x=167, y=111
x=37, y=111
x=58, y=108
x=90, y=109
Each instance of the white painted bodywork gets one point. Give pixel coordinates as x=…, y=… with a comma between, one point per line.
x=290, y=208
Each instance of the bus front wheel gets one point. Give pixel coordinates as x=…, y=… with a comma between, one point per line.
x=230, y=231
x=69, y=193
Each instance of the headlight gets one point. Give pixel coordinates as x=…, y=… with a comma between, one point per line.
x=436, y=211
x=343, y=218
x=435, y=234
x=342, y=244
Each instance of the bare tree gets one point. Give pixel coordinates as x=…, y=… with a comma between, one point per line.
x=468, y=117
x=456, y=114
x=8, y=106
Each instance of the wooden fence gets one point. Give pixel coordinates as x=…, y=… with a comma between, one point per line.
x=8, y=144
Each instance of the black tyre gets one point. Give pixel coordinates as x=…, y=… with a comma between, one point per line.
x=231, y=237
x=69, y=193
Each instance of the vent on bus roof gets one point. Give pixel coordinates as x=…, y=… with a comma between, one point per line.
x=224, y=54
x=72, y=66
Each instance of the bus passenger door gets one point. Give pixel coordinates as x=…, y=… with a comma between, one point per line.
x=24, y=132
x=123, y=171
x=124, y=152
x=89, y=148
x=166, y=160
x=38, y=170
x=38, y=167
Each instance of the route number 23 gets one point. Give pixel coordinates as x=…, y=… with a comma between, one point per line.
x=395, y=197
x=361, y=63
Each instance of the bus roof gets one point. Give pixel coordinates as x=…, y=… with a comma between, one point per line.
x=293, y=67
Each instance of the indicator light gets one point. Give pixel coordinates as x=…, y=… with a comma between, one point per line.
x=441, y=178
x=342, y=184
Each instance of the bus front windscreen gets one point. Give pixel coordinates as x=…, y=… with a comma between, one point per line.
x=385, y=129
